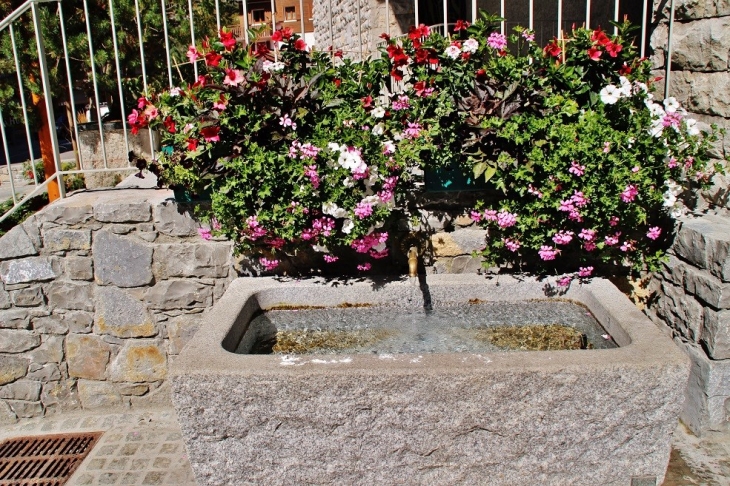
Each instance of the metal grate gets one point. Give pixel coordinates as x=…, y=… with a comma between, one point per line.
x=47, y=460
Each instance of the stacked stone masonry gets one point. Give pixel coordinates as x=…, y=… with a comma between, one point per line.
x=99, y=293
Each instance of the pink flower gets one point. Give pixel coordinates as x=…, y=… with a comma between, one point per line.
x=589, y=246
x=254, y=230
x=490, y=215
x=548, y=253
x=654, y=232
x=367, y=242
x=688, y=162
x=612, y=240
x=629, y=194
x=579, y=199
x=672, y=163
x=528, y=36
x=497, y=41
x=476, y=216
x=363, y=210
x=566, y=205
x=587, y=234
x=533, y=191
x=505, y=219
x=330, y=258
x=205, y=233
x=193, y=54
x=563, y=237
x=311, y=172
x=635, y=169
x=576, y=168
x=565, y=281
x=585, y=271
x=672, y=120
x=215, y=224
x=614, y=221
x=269, y=265
x=379, y=254
x=211, y=133
x=364, y=267
x=606, y=147
x=628, y=246
x=413, y=130
x=234, y=77
x=511, y=245
x=402, y=103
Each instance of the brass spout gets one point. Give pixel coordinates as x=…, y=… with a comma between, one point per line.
x=413, y=262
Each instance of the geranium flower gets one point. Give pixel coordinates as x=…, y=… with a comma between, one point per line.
x=453, y=52
x=587, y=234
x=413, y=130
x=612, y=240
x=364, y=267
x=654, y=232
x=330, y=258
x=205, y=233
x=471, y=45
x=585, y=272
x=548, y=253
x=496, y=41
x=511, y=244
x=565, y=281
x=269, y=265
x=629, y=194
x=529, y=36
x=505, y=219
x=563, y=237
x=576, y=168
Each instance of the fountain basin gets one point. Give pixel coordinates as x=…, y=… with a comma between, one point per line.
x=599, y=416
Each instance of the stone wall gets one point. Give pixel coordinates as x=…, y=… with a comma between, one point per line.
x=692, y=293
x=99, y=292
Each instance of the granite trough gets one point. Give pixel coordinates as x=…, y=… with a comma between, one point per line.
x=594, y=416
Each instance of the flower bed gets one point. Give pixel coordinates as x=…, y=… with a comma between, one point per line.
x=313, y=152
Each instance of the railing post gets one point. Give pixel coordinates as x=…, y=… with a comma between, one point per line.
x=668, y=62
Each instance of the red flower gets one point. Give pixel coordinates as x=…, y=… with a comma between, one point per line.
x=481, y=74
x=415, y=33
x=287, y=33
x=300, y=45
x=213, y=59
x=367, y=102
x=277, y=37
x=625, y=69
x=142, y=102
x=261, y=50
x=337, y=82
x=192, y=144
x=422, y=56
x=420, y=87
x=397, y=54
x=466, y=55
x=385, y=37
x=613, y=48
x=170, y=124
x=227, y=39
x=553, y=49
x=594, y=53
x=461, y=25
x=338, y=53
x=397, y=75
x=211, y=133
x=600, y=37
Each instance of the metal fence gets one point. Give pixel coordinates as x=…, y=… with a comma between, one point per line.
x=39, y=23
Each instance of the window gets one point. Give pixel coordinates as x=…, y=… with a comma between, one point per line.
x=290, y=13
x=258, y=15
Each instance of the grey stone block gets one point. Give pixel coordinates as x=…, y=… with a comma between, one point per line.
x=549, y=417
x=27, y=297
x=680, y=311
x=72, y=296
x=87, y=356
x=4, y=299
x=12, y=368
x=141, y=360
x=98, y=394
x=698, y=9
x=180, y=294
x=459, y=242
x=61, y=239
x=17, y=341
x=78, y=322
x=50, y=350
x=121, y=315
x=466, y=264
x=180, y=330
x=79, y=268
x=33, y=269
x=707, y=393
x=172, y=221
x=121, y=261
x=7, y=416
x=25, y=409
x=72, y=210
x=14, y=319
x=716, y=333
x=122, y=212
x=705, y=242
x=60, y=395
x=192, y=260
x=701, y=283
x=701, y=45
x=22, y=390
x=44, y=373
x=50, y=325
x=16, y=244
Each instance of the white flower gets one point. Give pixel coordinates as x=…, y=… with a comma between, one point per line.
x=348, y=182
x=641, y=87
x=610, y=94
x=347, y=226
x=378, y=129
x=669, y=199
x=335, y=147
x=470, y=45
x=352, y=161
x=272, y=67
x=453, y=52
x=626, y=87
x=657, y=128
x=692, y=128
x=379, y=247
x=320, y=248
x=333, y=210
x=379, y=224
x=378, y=112
x=388, y=147
x=673, y=187
x=372, y=176
x=371, y=200
x=671, y=104
x=175, y=91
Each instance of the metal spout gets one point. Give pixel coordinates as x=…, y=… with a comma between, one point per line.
x=413, y=262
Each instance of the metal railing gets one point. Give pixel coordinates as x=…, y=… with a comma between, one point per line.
x=39, y=19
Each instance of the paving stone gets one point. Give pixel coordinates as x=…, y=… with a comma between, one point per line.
x=17, y=341
x=32, y=269
x=62, y=239
x=121, y=261
x=98, y=394
x=142, y=360
x=87, y=356
x=50, y=350
x=180, y=294
x=121, y=315
x=79, y=268
x=44, y=372
x=50, y=325
x=70, y=296
x=16, y=244
x=171, y=220
x=122, y=211
x=12, y=368
x=28, y=297
x=22, y=390
x=192, y=260
x=14, y=319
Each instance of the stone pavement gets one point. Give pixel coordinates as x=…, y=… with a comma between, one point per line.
x=145, y=447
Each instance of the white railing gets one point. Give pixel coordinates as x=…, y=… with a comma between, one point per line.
x=27, y=20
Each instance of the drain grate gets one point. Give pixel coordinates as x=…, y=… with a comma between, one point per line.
x=47, y=460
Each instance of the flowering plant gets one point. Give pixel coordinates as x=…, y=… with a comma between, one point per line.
x=310, y=151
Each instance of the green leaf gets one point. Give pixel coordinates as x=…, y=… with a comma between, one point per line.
x=489, y=173
x=479, y=169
